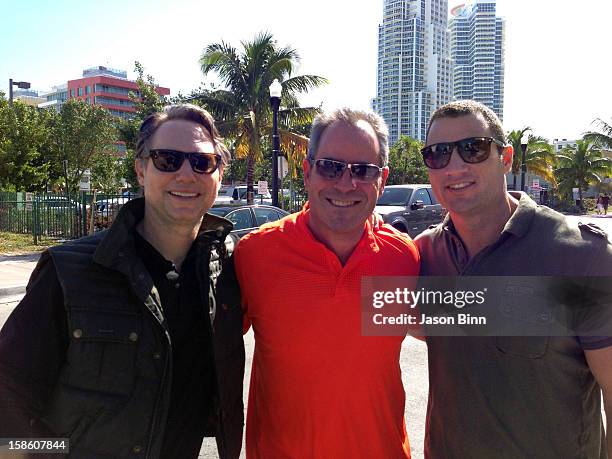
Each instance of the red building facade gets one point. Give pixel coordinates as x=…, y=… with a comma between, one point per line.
x=108, y=88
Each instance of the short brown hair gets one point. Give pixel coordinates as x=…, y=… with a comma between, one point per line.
x=470, y=107
x=184, y=112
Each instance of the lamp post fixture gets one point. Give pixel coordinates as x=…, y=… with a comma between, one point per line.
x=275, y=98
x=19, y=84
x=524, y=141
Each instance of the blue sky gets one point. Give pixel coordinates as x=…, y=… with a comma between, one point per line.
x=558, y=70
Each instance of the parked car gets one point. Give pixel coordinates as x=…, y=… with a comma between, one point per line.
x=248, y=218
x=409, y=208
x=236, y=194
x=59, y=204
x=110, y=205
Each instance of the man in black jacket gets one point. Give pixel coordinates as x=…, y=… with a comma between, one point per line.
x=113, y=345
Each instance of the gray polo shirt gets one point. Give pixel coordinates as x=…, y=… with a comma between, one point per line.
x=515, y=397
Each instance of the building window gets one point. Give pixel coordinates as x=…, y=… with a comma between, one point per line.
x=87, y=89
x=72, y=93
x=80, y=91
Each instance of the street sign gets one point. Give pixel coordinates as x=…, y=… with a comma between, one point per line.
x=262, y=187
x=29, y=197
x=85, y=183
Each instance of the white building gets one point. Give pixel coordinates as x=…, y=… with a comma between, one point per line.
x=477, y=51
x=55, y=98
x=413, y=76
x=560, y=144
x=27, y=96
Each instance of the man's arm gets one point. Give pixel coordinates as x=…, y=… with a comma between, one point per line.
x=33, y=344
x=600, y=363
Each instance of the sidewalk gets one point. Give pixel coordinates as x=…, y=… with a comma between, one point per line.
x=15, y=272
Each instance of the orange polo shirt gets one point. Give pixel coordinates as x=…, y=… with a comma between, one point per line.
x=319, y=389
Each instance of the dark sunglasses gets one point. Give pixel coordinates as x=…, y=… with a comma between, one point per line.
x=472, y=150
x=172, y=160
x=333, y=170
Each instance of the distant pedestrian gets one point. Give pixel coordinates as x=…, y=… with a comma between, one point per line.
x=605, y=201
x=599, y=205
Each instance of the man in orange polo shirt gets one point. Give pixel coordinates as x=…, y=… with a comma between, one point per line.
x=319, y=389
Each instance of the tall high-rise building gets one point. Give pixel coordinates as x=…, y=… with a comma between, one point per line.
x=477, y=51
x=414, y=73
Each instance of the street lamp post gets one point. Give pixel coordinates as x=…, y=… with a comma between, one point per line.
x=275, y=98
x=524, y=141
x=19, y=84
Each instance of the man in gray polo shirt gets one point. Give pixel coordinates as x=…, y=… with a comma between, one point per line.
x=508, y=397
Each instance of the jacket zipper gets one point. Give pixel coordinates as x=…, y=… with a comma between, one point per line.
x=167, y=363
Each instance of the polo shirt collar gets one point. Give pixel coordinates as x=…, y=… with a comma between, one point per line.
x=521, y=219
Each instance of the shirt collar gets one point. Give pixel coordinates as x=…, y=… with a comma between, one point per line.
x=521, y=219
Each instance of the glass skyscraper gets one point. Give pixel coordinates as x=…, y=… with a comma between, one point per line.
x=414, y=69
x=477, y=50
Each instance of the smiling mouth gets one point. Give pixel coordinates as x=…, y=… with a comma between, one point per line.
x=342, y=203
x=183, y=194
x=460, y=186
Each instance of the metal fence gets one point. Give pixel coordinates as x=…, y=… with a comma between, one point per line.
x=59, y=216
x=70, y=216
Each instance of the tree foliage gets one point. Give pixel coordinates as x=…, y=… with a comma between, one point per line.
x=242, y=108
x=82, y=134
x=406, y=163
x=24, y=147
x=601, y=137
x=540, y=157
x=581, y=166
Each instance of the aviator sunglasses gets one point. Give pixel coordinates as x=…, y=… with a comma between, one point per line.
x=171, y=161
x=332, y=170
x=472, y=150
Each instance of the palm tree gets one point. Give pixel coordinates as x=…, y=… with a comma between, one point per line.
x=540, y=156
x=580, y=166
x=242, y=109
x=603, y=138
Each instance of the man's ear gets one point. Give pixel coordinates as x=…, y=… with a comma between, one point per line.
x=385, y=176
x=507, y=155
x=139, y=167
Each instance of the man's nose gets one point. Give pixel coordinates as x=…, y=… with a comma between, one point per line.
x=346, y=181
x=456, y=162
x=185, y=172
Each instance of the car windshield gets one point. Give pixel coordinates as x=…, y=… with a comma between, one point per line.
x=394, y=197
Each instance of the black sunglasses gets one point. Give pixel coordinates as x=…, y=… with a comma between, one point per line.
x=472, y=150
x=332, y=170
x=171, y=161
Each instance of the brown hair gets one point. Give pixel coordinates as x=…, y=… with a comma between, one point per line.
x=470, y=107
x=184, y=112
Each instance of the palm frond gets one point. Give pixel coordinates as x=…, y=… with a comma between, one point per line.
x=303, y=83
x=297, y=115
